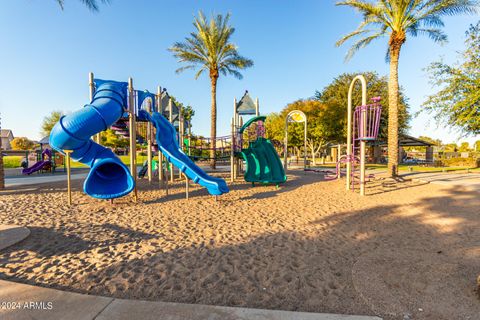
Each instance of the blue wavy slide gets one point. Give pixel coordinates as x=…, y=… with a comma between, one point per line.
x=108, y=178
x=167, y=141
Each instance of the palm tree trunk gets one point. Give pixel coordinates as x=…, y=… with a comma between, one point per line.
x=213, y=124
x=393, y=110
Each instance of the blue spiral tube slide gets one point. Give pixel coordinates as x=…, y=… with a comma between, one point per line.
x=108, y=178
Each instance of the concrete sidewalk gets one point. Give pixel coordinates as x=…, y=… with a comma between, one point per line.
x=20, y=301
x=467, y=180
x=38, y=179
x=11, y=234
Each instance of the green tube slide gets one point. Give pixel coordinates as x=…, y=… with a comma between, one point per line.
x=263, y=163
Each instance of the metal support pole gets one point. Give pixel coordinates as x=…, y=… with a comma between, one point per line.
x=91, y=87
x=362, y=167
x=170, y=118
x=160, y=167
x=166, y=182
x=232, y=152
x=257, y=108
x=186, y=186
x=180, y=134
x=234, y=131
x=160, y=154
x=149, y=144
x=238, y=163
x=305, y=147
x=181, y=129
x=132, y=135
x=339, y=153
x=69, y=181
x=285, y=144
x=363, y=147
x=189, y=137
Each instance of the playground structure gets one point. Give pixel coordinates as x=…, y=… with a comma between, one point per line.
x=365, y=126
x=361, y=129
x=246, y=144
x=44, y=163
x=244, y=107
x=113, y=102
x=262, y=162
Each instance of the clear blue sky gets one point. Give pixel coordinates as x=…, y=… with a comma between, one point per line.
x=47, y=53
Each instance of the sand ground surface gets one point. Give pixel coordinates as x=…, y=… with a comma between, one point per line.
x=407, y=251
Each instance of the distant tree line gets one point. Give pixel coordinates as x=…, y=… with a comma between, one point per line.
x=327, y=111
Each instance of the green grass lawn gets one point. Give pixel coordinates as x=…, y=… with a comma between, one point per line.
x=12, y=161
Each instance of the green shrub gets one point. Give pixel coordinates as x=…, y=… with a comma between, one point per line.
x=462, y=162
x=12, y=161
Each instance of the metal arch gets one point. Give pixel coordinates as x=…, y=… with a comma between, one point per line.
x=285, y=156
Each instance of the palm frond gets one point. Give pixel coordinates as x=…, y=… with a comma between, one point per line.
x=436, y=35
x=349, y=36
x=209, y=48
x=400, y=17
x=90, y=4
x=362, y=43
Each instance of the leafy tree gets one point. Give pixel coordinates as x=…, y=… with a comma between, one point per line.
x=49, y=121
x=477, y=146
x=110, y=139
x=91, y=4
x=397, y=19
x=464, y=147
x=451, y=147
x=335, y=95
x=323, y=125
x=188, y=111
x=22, y=143
x=457, y=104
x=209, y=49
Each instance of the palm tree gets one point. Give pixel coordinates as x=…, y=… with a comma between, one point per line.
x=208, y=48
x=397, y=19
x=91, y=4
